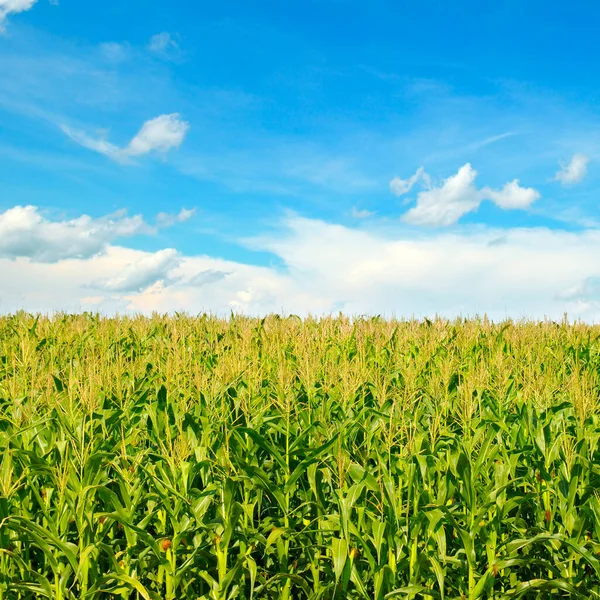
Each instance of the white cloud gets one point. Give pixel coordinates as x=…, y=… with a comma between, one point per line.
x=162, y=42
x=164, y=219
x=458, y=195
x=156, y=135
x=399, y=187
x=533, y=273
x=24, y=232
x=512, y=196
x=574, y=172
x=160, y=134
x=8, y=7
x=142, y=273
x=443, y=273
x=445, y=205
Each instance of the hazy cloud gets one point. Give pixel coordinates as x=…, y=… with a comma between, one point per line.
x=115, y=52
x=161, y=43
x=361, y=213
x=587, y=289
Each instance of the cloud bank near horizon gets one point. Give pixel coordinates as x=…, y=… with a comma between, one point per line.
x=326, y=268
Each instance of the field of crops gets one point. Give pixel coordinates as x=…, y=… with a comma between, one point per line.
x=178, y=457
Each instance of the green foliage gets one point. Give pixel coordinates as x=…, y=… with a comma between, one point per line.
x=202, y=458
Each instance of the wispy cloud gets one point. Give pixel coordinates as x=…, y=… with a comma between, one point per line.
x=361, y=213
x=574, y=171
x=399, y=187
x=97, y=144
x=156, y=135
x=491, y=140
x=164, y=219
x=338, y=173
x=164, y=44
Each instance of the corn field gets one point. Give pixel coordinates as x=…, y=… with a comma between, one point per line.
x=196, y=457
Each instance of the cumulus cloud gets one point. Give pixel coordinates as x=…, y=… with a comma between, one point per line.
x=142, y=273
x=399, y=187
x=573, y=172
x=458, y=195
x=8, y=7
x=512, y=196
x=156, y=135
x=324, y=267
x=445, y=205
x=24, y=232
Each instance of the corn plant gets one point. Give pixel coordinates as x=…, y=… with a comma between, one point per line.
x=196, y=457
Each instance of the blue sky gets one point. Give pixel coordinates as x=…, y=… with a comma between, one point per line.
x=394, y=158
